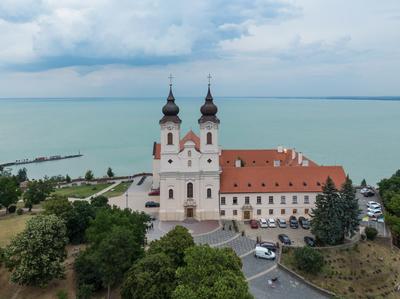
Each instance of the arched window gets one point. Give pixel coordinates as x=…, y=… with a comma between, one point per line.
x=208, y=192
x=170, y=140
x=189, y=163
x=170, y=193
x=209, y=138
x=190, y=190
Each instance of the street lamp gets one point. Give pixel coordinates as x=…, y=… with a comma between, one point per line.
x=126, y=196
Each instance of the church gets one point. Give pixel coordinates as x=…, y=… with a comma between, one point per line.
x=197, y=179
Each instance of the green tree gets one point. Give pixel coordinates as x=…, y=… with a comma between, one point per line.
x=100, y=201
x=211, y=273
x=326, y=224
x=152, y=277
x=87, y=272
x=110, y=172
x=35, y=256
x=363, y=183
x=68, y=178
x=37, y=191
x=350, y=215
x=9, y=191
x=308, y=259
x=89, y=175
x=371, y=233
x=115, y=254
x=173, y=244
x=22, y=175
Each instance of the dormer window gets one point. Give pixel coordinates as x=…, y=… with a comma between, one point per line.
x=318, y=184
x=248, y=185
x=235, y=185
x=277, y=184
x=263, y=184
x=304, y=184
x=290, y=184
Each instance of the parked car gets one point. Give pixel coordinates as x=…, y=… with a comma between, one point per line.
x=154, y=192
x=369, y=193
x=263, y=223
x=309, y=241
x=293, y=223
x=268, y=245
x=372, y=203
x=376, y=209
x=265, y=253
x=374, y=213
x=281, y=223
x=284, y=239
x=304, y=223
x=253, y=223
x=364, y=190
x=151, y=204
x=379, y=218
x=271, y=222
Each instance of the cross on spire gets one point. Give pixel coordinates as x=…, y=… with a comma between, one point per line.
x=170, y=79
x=209, y=80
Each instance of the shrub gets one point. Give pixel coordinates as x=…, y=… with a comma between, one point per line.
x=12, y=208
x=85, y=291
x=308, y=259
x=20, y=211
x=62, y=294
x=371, y=233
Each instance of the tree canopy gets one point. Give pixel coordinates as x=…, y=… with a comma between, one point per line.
x=37, y=191
x=35, y=256
x=9, y=191
x=110, y=172
x=308, y=259
x=89, y=175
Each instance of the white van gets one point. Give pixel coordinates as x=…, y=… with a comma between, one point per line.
x=264, y=253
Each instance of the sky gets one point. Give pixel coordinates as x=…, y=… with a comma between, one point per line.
x=126, y=48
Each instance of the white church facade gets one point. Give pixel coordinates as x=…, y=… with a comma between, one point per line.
x=198, y=179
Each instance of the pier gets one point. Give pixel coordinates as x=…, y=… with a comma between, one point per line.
x=40, y=160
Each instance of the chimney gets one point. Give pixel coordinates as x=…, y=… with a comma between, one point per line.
x=280, y=149
x=300, y=159
x=238, y=163
x=293, y=154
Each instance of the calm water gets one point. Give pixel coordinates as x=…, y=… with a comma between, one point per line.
x=363, y=136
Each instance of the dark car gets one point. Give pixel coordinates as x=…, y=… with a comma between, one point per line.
x=293, y=223
x=309, y=241
x=268, y=245
x=253, y=223
x=151, y=204
x=304, y=223
x=284, y=239
x=369, y=193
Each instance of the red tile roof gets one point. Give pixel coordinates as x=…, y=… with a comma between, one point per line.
x=189, y=136
x=279, y=179
x=260, y=158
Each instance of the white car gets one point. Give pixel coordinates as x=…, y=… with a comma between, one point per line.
x=374, y=213
x=364, y=190
x=372, y=204
x=263, y=223
x=265, y=253
x=375, y=209
x=271, y=222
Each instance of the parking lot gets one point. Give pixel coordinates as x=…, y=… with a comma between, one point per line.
x=367, y=221
x=296, y=235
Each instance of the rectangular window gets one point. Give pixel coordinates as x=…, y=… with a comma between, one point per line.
x=234, y=212
x=247, y=200
x=282, y=211
x=222, y=212
x=283, y=199
x=234, y=201
x=294, y=211
x=306, y=199
x=271, y=211
x=271, y=200
x=258, y=200
x=259, y=212
x=306, y=211
x=223, y=201
x=294, y=199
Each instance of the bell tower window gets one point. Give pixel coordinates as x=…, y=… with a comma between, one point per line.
x=209, y=193
x=170, y=194
x=189, y=190
x=170, y=139
x=209, y=138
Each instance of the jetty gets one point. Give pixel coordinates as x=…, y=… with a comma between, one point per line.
x=40, y=160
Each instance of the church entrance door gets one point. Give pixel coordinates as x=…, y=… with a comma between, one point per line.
x=246, y=215
x=189, y=213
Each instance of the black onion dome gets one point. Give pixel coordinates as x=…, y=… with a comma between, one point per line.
x=170, y=110
x=209, y=109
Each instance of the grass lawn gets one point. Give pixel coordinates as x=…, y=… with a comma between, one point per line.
x=369, y=270
x=118, y=190
x=11, y=225
x=81, y=191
